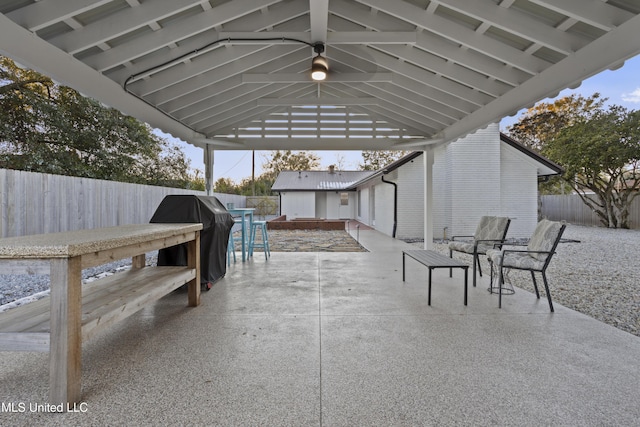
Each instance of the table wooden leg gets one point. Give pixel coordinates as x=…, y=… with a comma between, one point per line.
x=193, y=261
x=65, y=353
x=138, y=261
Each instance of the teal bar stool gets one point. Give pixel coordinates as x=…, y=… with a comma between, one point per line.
x=231, y=249
x=264, y=244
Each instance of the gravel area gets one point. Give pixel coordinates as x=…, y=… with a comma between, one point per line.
x=313, y=241
x=16, y=290
x=596, y=271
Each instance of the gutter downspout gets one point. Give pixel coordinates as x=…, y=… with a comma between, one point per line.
x=395, y=203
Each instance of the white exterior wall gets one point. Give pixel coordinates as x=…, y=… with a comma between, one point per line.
x=519, y=192
x=353, y=203
x=441, y=193
x=410, y=180
x=299, y=204
x=363, y=205
x=384, y=207
x=475, y=179
x=473, y=176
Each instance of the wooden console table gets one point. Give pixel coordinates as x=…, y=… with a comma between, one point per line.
x=74, y=312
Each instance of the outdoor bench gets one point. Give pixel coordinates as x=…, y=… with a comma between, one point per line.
x=432, y=260
x=73, y=313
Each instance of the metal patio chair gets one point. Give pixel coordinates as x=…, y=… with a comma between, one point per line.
x=535, y=258
x=491, y=231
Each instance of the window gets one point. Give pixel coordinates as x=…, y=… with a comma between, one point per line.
x=344, y=199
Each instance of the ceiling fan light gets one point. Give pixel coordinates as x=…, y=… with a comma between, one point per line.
x=319, y=68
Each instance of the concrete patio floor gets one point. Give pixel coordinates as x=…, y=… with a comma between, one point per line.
x=337, y=339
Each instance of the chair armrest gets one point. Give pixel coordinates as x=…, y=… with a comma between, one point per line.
x=466, y=237
x=508, y=244
x=506, y=251
x=497, y=243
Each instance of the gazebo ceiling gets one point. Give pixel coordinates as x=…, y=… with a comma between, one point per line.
x=402, y=73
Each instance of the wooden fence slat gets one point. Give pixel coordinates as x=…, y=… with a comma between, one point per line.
x=34, y=203
x=571, y=209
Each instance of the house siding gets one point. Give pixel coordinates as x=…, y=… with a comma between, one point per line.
x=475, y=179
x=384, y=207
x=519, y=192
x=299, y=204
x=441, y=208
x=473, y=176
x=410, y=179
x=362, y=206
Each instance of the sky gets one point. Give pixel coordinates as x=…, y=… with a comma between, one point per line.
x=621, y=87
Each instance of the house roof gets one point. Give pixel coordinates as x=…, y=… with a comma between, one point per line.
x=403, y=74
x=547, y=167
x=387, y=169
x=317, y=180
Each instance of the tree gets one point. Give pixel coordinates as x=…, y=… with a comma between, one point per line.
x=598, y=148
x=376, y=160
x=261, y=186
x=48, y=128
x=601, y=156
x=289, y=160
x=545, y=120
x=225, y=186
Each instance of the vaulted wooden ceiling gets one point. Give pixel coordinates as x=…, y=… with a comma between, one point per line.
x=402, y=73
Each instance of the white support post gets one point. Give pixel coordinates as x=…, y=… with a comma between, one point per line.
x=428, y=197
x=208, y=169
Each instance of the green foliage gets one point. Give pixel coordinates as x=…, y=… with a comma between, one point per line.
x=225, y=186
x=262, y=186
x=601, y=155
x=376, y=160
x=544, y=120
x=245, y=188
x=598, y=148
x=48, y=128
x=289, y=160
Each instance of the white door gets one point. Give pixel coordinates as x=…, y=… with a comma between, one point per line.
x=345, y=208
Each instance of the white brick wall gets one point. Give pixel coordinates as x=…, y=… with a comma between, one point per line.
x=384, y=207
x=519, y=192
x=473, y=176
x=475, y=179
x=441, y=192
x=365, y=215
x=410, y=179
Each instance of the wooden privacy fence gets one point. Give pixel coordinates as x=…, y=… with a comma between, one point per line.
x=264, y=205
x=571, y=209
x=34, y=203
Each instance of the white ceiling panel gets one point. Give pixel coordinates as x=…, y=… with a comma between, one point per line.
x=236, y=74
